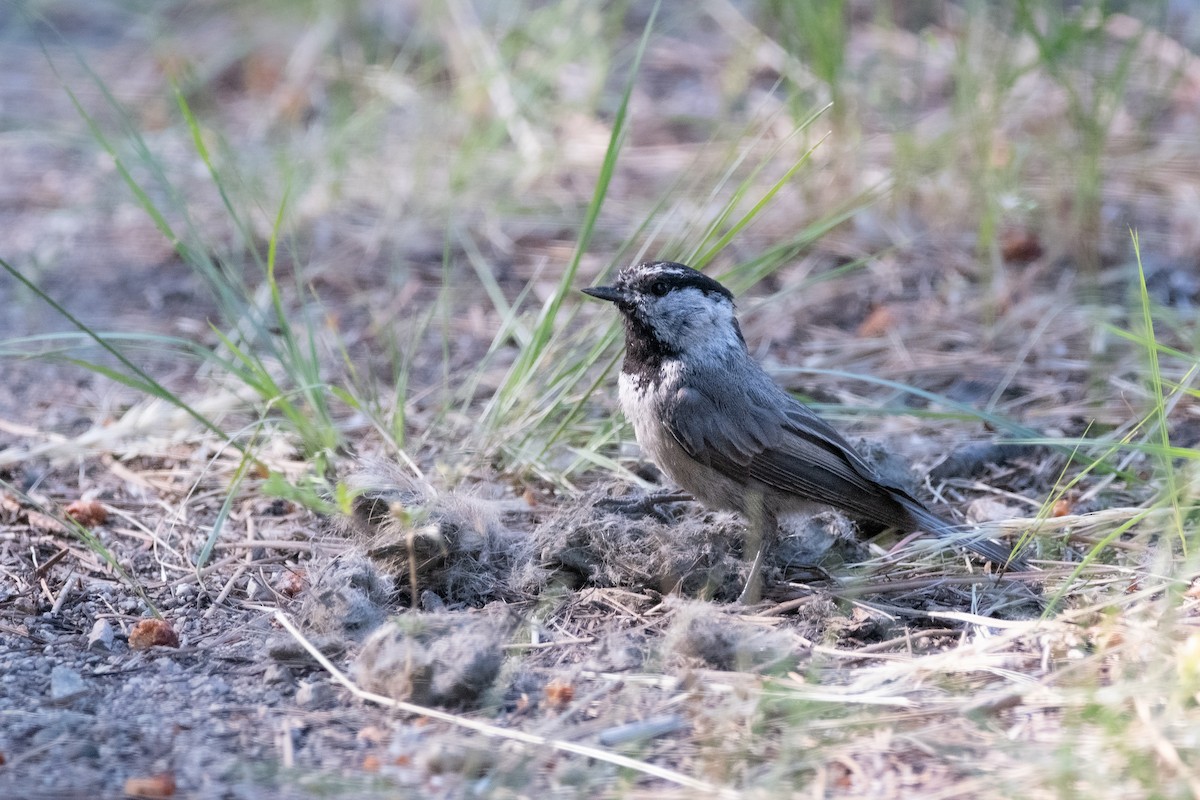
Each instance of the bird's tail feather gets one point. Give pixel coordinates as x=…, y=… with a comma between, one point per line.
x=992, y=551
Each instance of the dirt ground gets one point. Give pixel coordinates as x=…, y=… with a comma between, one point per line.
x=540, y=644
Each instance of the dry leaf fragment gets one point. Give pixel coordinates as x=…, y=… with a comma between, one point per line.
x=151, y=632
x=88, y=513
x=261, y=72
x=372, y=734
x=559, y=693
x=1020, y=246
x=151, y=786
x=987, y=509
x=878, y=322
x=9, y=505
x=292, y=583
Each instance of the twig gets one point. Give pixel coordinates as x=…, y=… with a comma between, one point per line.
x=789, y=605
x=908, y=637
x=1167, y=753
x=912, y=584
x=226, y=589
x=502, y=733
x=649, y=728
x=63, y=593
x=280, y=544
x=44, y=567
x=522, y=646
x=991, y=622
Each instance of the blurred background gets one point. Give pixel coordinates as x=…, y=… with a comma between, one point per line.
x=932, y=189
x=244, y=245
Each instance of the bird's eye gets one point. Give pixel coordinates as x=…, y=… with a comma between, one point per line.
x=659, y=288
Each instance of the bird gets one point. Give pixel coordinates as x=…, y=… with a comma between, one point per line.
x=711, y=418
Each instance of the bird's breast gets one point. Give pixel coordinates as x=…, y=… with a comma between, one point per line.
x=642, y=402
x=645, y=405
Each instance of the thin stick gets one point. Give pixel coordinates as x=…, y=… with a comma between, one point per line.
x=66, y=590
x=226, y=589
x=277, y=544
x=502, y=733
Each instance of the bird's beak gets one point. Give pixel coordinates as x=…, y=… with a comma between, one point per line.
x=610, y=293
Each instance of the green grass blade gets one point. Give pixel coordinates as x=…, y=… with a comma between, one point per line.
x=702, y=260
x=526, y=363
x=152, y=386
x=226, y=507
x=1158, y=397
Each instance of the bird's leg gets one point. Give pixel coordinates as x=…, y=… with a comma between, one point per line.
x=644, y=505
x=759, y=533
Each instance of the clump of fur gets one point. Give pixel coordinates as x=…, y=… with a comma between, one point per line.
x=585, y=543
x=891, y=466
x=433, y=659
x=699, y=554
x=347, y=600
x=703, y=634
x=449, y=543
x=803, y=544
x=452, y=549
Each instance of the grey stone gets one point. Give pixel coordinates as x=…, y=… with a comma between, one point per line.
x=101, y=637
x=65, y=684
x=314, y=695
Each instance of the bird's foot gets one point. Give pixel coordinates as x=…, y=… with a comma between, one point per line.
x=645, y=505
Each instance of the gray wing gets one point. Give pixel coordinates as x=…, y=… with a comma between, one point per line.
x=770, y=438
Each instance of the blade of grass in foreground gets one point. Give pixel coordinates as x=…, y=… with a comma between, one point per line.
x=523, y=369
x=704, y=258
x=136, y=377
x=1159, y=411
x=218, y=525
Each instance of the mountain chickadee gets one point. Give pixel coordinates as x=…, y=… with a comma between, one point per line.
x=713, y=420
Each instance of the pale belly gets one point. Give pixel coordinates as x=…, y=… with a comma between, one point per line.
x=708, y=485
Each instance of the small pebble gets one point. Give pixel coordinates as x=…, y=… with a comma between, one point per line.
x=65, y=684
x=276, y=673
x=314, y=695
x=101, y=637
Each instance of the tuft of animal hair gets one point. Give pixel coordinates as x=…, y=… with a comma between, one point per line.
x=450, y=543
x=827, y=539
x=347, y=600
x=441, y=659
x=701, y=634
x=583, y=543
x=891, y=466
